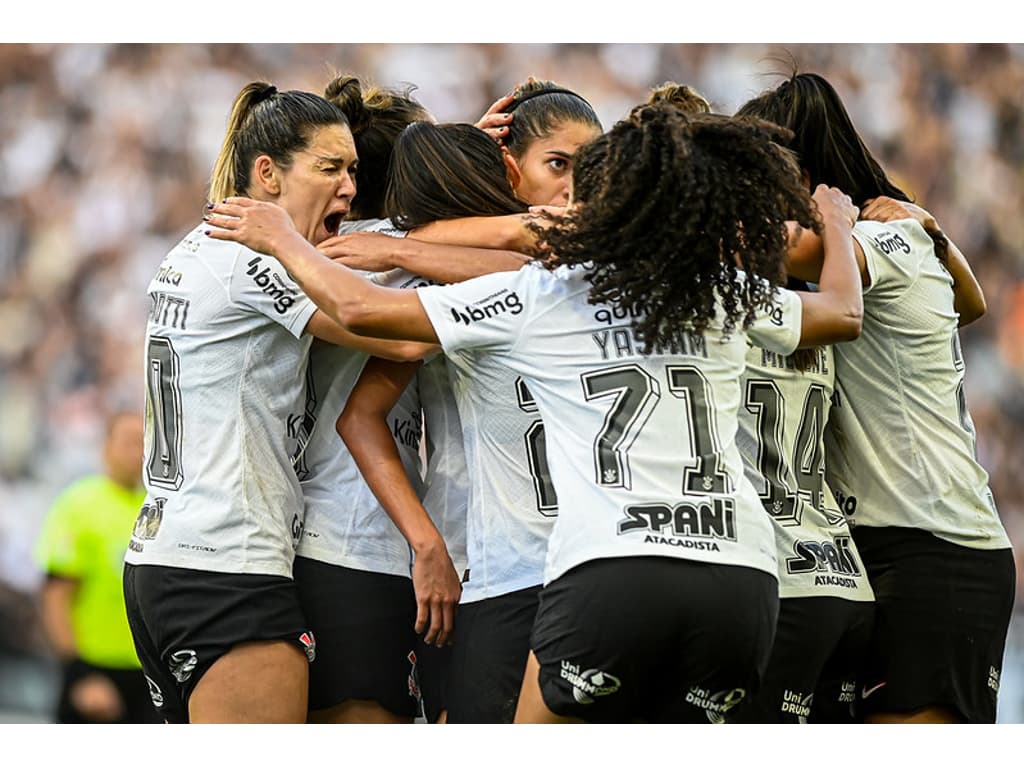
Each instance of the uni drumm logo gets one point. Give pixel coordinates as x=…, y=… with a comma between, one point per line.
x=489, y=307
x=272, y=285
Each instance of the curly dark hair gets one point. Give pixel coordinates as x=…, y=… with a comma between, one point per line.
x=669, y=208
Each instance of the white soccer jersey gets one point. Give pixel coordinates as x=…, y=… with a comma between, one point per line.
x=781, y=439
x=446, y=483
x=641, y=448
x=345, y=524
x=900, y=445
x=512, y=503
x=225, y=357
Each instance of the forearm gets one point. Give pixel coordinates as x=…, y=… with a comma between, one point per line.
x=840, y=280
x=502, y=232
x=454, y=263
x=370, y=442
x=351, y=301
x=57, y=597
x=968, y=297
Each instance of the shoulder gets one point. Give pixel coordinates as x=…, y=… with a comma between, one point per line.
x=902, y=235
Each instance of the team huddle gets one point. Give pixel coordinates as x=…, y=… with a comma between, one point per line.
x=544, y=423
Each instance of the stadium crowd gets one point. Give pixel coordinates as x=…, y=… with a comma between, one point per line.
x=105, y=151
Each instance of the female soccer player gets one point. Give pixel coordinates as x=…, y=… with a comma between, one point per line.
x=512, y=505
x=632, y=351
x=208, y=576
x=900, y=451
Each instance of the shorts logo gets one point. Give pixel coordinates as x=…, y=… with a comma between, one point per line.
x=309, y=644
x=993, y=679
x=795, y=703
x=154, y=692
x=481, y=310
x=715, y=705
x=865, y=691
x=182, y=664
x=589, y=683
x=414, y=686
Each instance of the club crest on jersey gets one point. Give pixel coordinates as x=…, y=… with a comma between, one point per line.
x=147, y=524
x=272, y=284
x=491, y=306
x=309, y=644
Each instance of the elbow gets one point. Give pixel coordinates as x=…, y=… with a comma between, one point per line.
x=851, y=325
x=973, y=311
x=356, y=318
x=347, y=426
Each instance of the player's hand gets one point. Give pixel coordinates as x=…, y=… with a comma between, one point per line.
x=888, y=209
x=261, y=226
x=832, y=202
x=438, y=591
x=495, y=121
x=369, y=251
x=97, y=698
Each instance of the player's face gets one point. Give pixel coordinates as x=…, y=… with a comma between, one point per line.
x=318, y=188
x=546, y=165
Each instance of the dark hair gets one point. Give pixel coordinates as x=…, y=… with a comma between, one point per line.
x=824, y=138
x=541, y=106
x=447, y=171
x=377, y=116
x=670, y=207
x=680, y=96
x=266, y=121
x=827, y=144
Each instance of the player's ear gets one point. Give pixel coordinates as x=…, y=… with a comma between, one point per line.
x=266, y=175
x=515, y=176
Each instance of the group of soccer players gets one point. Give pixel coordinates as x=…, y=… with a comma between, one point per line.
x=540, y=423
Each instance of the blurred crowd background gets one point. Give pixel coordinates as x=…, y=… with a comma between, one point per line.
x=105, y=151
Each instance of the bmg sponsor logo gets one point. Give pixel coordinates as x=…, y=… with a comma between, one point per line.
x=890, y=242
x=272, y=284
x=492, y=306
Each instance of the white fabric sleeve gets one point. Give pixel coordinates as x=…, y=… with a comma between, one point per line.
x=776, y=327
x=261, y=284
x=487, y=312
